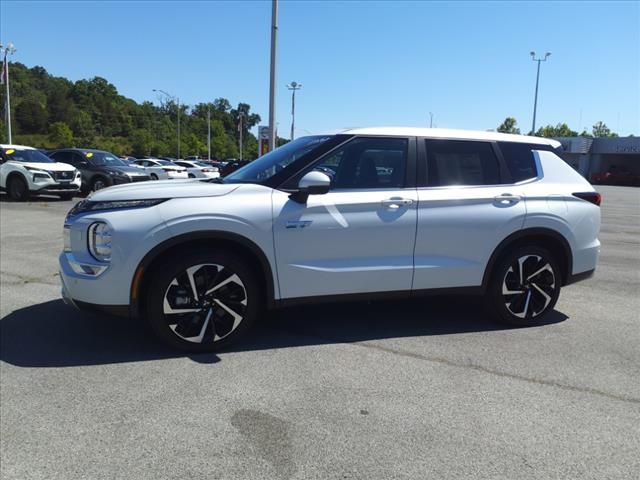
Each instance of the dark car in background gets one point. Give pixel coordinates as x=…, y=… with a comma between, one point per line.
x=99, y=169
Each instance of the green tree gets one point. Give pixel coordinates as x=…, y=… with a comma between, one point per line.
x=509, y=126
x=560, y=130
x=60, y=135
x=31, y=117
x=600, y=129
x=141, y=142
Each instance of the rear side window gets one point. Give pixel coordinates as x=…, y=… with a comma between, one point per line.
x=519, y=160
x=459, y=162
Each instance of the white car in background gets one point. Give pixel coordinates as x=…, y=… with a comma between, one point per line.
x=197, y=169
x=158, y=168
x=26, y=171
x=155, y=173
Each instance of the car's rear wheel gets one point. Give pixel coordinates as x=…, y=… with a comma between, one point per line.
x=203, y=301
x=154, y=176
x=18, y=189
x=524, y=287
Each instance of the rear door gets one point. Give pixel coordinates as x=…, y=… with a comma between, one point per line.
x=359, y=237
x=466, y=205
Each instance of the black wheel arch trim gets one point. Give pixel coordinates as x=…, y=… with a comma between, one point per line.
x=208, y=235
x=523, y=234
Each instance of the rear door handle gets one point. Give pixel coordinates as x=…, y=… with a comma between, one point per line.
x=396, y=202
x=507, y=198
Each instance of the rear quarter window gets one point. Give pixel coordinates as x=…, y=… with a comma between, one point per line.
x=461, y=162
x=519, y=160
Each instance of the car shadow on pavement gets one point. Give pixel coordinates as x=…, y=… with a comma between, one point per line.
x=52, y=334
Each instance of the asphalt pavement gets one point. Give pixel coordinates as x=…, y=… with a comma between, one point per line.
x=383, y=390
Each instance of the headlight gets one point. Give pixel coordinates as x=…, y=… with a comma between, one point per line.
x=66, y=238
x=100, y=241
x=90, y=206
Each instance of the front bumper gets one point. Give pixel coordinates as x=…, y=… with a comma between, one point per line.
x=114, y=310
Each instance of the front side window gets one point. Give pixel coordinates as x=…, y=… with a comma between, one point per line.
x=366, y=162
x=461, y=162
x=104, y=159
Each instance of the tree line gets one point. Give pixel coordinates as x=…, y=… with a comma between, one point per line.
x=599, y=129
x=53, y=112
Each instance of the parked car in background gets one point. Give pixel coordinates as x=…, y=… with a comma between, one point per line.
x=232, y=166
x=501, y=216
x=172, y=170
x=99, y=169
x=154, y=172
x=616, y=176
x=197, y=169
x=25, y=171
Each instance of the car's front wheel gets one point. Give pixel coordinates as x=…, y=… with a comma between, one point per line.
x=18, y=189
x=524, y=287
x=203, y=301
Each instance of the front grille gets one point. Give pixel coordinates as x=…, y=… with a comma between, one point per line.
x=63, y=175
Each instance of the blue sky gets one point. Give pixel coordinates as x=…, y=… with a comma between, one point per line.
x=360, y=63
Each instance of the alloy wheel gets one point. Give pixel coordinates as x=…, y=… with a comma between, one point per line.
x=98, y=185
x=205, y=303
x=528, y=286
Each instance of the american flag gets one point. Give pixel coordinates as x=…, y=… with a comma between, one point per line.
x=5, y=71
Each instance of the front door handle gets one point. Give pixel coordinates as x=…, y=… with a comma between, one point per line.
x=507, y=198
x=396, y=202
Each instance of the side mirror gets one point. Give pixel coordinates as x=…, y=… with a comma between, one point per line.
x=313, y=183
x=83, y=163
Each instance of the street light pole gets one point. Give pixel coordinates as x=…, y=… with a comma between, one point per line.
x=430, y=120
x=8, y=50
x=209, y=132
x=293, y=86
x=240, y=117
x=272, y=79
x=535, y=100
x=177, y=100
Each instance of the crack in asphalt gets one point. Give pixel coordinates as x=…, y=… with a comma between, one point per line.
x=479, y=368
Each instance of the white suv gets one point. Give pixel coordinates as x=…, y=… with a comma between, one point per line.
x=368, y=213
x=25, y=171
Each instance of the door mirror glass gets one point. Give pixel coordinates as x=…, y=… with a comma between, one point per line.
x=313, y=183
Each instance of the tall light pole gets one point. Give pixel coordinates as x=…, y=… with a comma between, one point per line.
x=430, y=120
x=209, y=131
x=8, y=50
x=272, y=77
x=240, y=128
x=293, y=86
x=535, y=100
x=177, y=100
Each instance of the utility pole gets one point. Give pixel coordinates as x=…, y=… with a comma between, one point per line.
x=535, y=100
x=293, y=86
x=8, y=50
x=272, y=78
x=430, y=120
x=209, y=132
x=240, y=117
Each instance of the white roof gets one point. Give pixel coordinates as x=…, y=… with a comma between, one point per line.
x=17, y=147
x=449, y=133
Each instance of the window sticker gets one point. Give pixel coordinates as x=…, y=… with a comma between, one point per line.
x=10, y=151
x=89, y=154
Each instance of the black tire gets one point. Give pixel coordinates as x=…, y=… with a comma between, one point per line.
x=213, y=320
x=66, y=196
x=529, y=301
x=98, y=183
x=18, y=189
x=191, y=175
x=154, y=176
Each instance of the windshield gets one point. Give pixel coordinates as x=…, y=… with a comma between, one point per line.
x=275, y=161
x=24, y=155
x=105, y=159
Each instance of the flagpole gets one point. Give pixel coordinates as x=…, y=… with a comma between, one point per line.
x=8, y=50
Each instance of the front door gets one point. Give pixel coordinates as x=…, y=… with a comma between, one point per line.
x=359, y=237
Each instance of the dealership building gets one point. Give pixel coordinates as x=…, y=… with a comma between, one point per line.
x=593, y=155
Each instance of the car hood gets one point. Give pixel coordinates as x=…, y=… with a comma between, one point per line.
x=162, y=189
x=50, y=167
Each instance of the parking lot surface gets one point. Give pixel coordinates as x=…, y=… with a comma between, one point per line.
x=406, y=390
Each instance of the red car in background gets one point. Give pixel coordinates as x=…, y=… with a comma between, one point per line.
x=616, y=176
